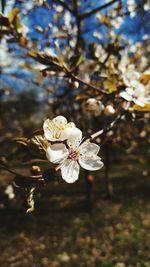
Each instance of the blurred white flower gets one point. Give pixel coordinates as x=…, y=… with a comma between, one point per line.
x=129, y=74
x=146, y=7
x=109, y=110
x=59, y=129
x=100, y=53
x=76, y=154
x=97, y=35
x=67, y=20
x=131, y=7
x=9, y=191
x=117, y=22
x=136, y=93
x=93, y=107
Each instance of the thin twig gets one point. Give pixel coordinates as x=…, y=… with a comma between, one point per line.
x=88, y=14
x=86, y=83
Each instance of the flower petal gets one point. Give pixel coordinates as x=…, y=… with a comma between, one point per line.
x=129, y=91
x=88, y=147
x=57, y=153
x=139, y=101
x=126, y=96
x=70, y=170
x=91, y=162
x=60, y=121
x=48, y=127
x=68, y=131
x=74, y=139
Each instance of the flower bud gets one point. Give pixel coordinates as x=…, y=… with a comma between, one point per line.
x=93, y=107
x=35, y=170
x=109, y=110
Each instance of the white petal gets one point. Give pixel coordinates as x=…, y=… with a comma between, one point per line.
x=60, y=121
x=49, y=130
x=68, y=131
x=130, y=91
x=75, y=138
x=126, y=96
x=70, y=170
x=138, y=86
x=91, y=163
x=139, y=102
x=87, y=147
x=57, y=153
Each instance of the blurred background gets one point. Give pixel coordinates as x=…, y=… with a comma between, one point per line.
x=103, y=220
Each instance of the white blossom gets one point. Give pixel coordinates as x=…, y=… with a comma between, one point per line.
x=109, y=110
x=9, y=191
x=70, y=159
x=93, y=107
x=59, y=129
x=135, y=91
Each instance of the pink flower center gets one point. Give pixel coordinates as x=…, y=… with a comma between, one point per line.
x=74, y=154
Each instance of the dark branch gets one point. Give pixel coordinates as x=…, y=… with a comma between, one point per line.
x=88, y=14
x=63, y=4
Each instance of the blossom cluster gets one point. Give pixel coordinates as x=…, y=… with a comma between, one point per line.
x=68, y=150
x=135, y=91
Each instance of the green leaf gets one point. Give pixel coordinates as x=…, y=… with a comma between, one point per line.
x=51, y=68
x=46, y=59
x=21, y=140
x=13, y=14
x=60, y=56
x=30, y=200
x=75, y=61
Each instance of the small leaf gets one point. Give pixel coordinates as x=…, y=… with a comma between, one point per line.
x=81, y=97
x=146, y=108
x=46, y=59
x=13, y=15
x=105, y=20
x=110, y=86
x=21, y=140
x=145, y=78
x=75, y=61
x=38, y=145
x=60, y=56
x=23, y=41
x=30, y=200
x=51, y=68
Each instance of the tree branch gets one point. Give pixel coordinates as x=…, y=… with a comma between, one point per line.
x=88, y=14
x=76, y=78
x=63, y=4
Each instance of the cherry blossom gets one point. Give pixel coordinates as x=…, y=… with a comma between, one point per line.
x=69, y=158
x=135, y=93
x=59, y=129
x=135, y=90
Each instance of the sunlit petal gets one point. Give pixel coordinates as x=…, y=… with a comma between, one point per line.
x=140, y=102
x=68, y=131
x=60, y=121
x=70, y=170
x=126, y=96
x=88, y=147
x=75, y=138
x=57, y=153
x=49, y=131
x=130, y=91
x=91, y=162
